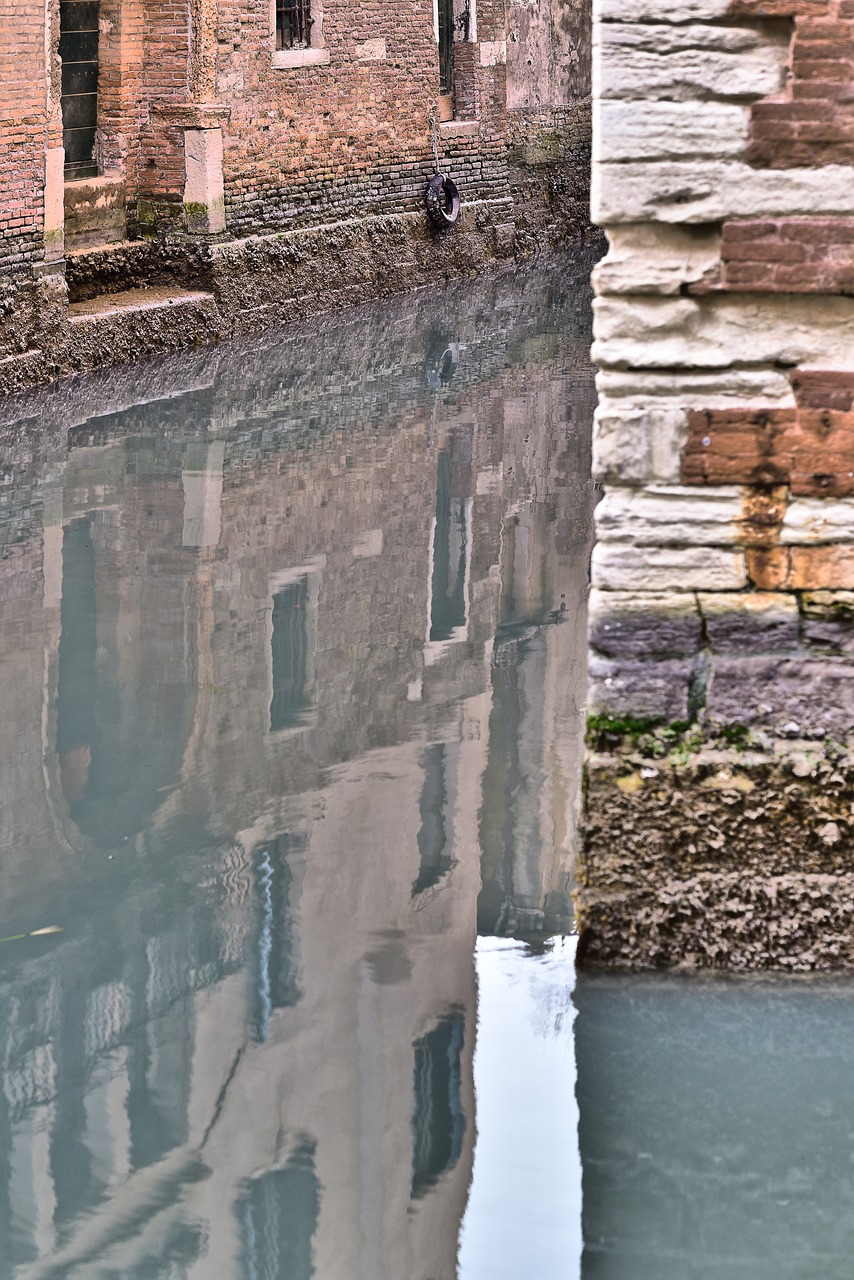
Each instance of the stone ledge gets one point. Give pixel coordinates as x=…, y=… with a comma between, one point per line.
x=719, y=859
x=622, y=567
x=293, y=59
x=129, y=300
x=459, y=128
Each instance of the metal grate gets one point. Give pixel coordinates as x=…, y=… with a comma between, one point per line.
x=293, y=24
x=446, y=46
x=78, y=49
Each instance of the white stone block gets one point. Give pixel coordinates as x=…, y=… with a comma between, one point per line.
x=674, y=515
x=493, y=53
x=606, y=604
x=814, y=520
x=54, y=210
x=204, y=197
x=371, y=50
x=687, y=63
x=620, y=567
x=712, y=190
x=639, y=444
x=656, y=258
x=659, y=10
x=717, y=389
x=724, y=330
x=632, y=131
x=618, y=40
x=752, y=603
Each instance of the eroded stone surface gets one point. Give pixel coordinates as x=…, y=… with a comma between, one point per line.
x=618, y=567
x=678, y=870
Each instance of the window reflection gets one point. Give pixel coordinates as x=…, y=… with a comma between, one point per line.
x=290, y=655
x=451, y=554
x=438, y=1123
x=77, y=654
x=279, y=1214
x=276, y=949
x=433, y=843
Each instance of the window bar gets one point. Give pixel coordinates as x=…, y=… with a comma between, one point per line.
x=293, y=24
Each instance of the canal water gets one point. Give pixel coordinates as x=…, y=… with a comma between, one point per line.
x=294, y=671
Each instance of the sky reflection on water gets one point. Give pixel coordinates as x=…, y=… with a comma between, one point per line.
x=524, y=1210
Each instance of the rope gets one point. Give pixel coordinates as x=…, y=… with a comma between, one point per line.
x=435, y=138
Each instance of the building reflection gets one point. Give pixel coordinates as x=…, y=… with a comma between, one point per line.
x=271, y=770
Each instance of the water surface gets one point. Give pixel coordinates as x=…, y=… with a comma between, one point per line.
x=294, y=672
x=294, y=669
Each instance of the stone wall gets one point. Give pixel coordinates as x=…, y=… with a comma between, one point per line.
x=721, y=676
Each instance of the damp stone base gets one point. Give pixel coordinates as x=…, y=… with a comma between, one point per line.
x=717, y=856
x=118, y=302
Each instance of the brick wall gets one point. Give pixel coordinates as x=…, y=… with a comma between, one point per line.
x=352, y=135
x=812, y=121
x=24, y=136
x=279, y=141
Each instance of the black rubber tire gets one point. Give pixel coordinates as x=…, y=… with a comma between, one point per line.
x=442, y=200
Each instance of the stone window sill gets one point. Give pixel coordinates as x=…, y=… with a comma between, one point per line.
x=284, y=59
x=459, y=128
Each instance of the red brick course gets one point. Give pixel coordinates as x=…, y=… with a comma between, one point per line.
x=824, y=388
x=810, y=450
x=788, y=255
x=779, y=8
x=813, y=122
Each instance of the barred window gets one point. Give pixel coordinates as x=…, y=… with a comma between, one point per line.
x=293, y=24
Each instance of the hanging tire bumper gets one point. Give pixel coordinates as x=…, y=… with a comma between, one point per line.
x=442, y=200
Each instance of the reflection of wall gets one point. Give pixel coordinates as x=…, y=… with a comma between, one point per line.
x=269, y=925
x=532, y=777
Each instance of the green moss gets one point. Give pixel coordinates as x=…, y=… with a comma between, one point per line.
x=679, y=740
x=735, y=735
x=606, y=731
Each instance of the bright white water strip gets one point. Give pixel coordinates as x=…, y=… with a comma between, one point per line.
x=524, y=1210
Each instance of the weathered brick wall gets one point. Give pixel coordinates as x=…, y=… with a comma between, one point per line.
x=210, y=143
x=22, y=134
x=27, y=128
x=352, y=135
x=121, y=104
x=724, y=328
